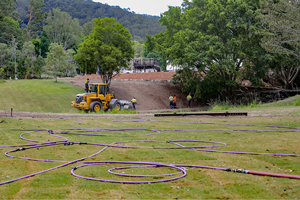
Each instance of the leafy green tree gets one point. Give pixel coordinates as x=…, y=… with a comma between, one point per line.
x=281, y=37
x=35, y=18
x=70, y=69
x=138, y=49
x=107, y=48
x=56, y=60
x=88, y=27
x=211, y=39
x=62, y=29
x=9, y=22
x=5, y=55
x=44, y=45
x=282, y=32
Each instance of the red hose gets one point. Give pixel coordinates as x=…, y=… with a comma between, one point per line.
x=274, y=174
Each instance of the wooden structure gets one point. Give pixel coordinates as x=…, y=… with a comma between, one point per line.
x=143, y=64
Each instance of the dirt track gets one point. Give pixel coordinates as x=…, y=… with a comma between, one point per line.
x=151, y=90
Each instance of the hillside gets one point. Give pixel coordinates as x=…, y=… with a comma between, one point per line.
x=152, y=90
x=86, y=11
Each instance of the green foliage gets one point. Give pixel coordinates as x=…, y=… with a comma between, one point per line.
x=213, y=37
x=282, y=22
x=35, y=18
x=56, y=61
x=9, y=22
x=108, y=48
x=62, y=29
x=138, y=49
x=87, y=11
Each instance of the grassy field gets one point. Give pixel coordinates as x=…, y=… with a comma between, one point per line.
x=38, y=96
x=199, y=183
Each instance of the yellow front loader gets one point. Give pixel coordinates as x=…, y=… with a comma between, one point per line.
x=96, y=99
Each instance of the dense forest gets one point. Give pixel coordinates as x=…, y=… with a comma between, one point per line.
x=86, y=11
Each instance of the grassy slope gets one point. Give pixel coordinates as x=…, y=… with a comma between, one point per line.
x=38, y=96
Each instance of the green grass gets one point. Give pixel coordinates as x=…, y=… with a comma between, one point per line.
x=220, y=106
x=38, y=96
x=42, y=96
x=198, y=184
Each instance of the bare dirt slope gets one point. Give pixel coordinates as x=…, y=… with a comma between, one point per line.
x=151, y=90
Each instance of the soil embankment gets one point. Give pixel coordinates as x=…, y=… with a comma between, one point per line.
x=152, y=90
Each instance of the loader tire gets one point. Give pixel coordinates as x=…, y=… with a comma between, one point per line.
x=117, y=106
x=95, y=106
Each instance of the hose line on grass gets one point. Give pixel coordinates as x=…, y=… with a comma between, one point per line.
x=176, y=145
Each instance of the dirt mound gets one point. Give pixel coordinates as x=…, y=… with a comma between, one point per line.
x=135, y=76
x=145, y=87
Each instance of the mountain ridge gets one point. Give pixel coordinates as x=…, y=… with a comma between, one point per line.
x=86, y=10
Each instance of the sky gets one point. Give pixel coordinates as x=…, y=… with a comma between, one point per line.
x=150, y=7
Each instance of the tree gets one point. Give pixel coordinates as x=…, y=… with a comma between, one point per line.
x=88, y=27
x=282, y=32
x=4, y=58
x=35, y=17
x=56, y=60
x=211, y=39
x=9, y=22
x=62, y=29
x=107, y=48
x=138, y=49
x=281, y=37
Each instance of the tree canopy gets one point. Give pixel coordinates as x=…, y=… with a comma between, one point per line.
x=282, y=32
x=210, y=40
x=107, y=49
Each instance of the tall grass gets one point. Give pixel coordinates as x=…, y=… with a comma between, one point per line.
x=227, y=105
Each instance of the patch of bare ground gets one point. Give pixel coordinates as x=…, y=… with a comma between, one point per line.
x=145, y=87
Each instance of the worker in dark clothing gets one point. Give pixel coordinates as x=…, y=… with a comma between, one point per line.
x=87, y=85
x=133, y=102
x=189, y=99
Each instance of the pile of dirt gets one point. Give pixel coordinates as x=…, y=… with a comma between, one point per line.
x=135, y=76
x=150, y=95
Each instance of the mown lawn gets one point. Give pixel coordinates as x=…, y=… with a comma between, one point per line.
x=38, y=96
x=198, y=184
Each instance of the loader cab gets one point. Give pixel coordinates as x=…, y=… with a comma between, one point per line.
x=98, y=88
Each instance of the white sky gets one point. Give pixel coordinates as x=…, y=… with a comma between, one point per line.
x=150, y=7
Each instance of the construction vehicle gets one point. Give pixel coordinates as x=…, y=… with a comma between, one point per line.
x=97, y=99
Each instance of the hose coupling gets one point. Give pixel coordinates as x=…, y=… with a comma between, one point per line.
x=238, y=170
x=82, y=143
x=69, y=143
x=50, y=132
x=74, y=168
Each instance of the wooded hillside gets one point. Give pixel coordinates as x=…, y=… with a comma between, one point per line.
x=85, y=11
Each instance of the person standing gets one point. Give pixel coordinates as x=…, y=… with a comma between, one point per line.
x=189, y=99
x=174, y=101
x=133, y=102
x=87, y=85
x=171, y=101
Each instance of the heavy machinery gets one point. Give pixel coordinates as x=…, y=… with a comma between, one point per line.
x=98, y=99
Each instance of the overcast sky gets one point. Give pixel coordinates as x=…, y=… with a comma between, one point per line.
x=150, y=7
